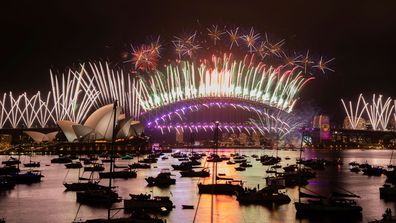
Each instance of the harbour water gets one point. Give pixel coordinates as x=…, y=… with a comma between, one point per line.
x=47, y=201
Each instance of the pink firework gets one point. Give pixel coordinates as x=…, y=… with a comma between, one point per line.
x=146, y=57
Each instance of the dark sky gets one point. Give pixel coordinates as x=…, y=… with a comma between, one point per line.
x=40, y=35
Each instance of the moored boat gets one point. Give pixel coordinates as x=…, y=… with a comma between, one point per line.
x=127, y=173
x=162, y=179
x=29, y=177
x=191, y=173
x=267, y=195
x=146, y=202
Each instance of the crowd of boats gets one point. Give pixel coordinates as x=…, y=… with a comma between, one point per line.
x=89, y=191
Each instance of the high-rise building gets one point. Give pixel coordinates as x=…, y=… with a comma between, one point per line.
x=322, y=122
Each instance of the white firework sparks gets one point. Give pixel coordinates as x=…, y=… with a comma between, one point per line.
x=251, y=40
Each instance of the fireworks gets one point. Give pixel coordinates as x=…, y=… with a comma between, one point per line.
x=355, y=114
x=322, y=65
x=251, y=40
x=279, y=123
x=234, y=37
x=223, y=78
x=215, y=33
x=378, y=112
x=189, y=75
x=145, y=57
x=186, y=46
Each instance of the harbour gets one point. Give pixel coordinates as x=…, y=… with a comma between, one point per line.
x=31, y=202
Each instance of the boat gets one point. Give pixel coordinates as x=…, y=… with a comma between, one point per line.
x=74, y=165
x=106, y=195
x=84, y=184
x=162, y=179
x=7, y=170
x=328, y=205
x=228, y=187
x=240, y=168
x=149, y=159
x=186, y=206
x=32, y=164
x=388, y=192
x=62, y=159
x=6, y=183
x=271, y=170
x=269, y=160
x=387, y=217
x=373, y=171
x=290, y=168
x=94, y=167
x=214, y=158
x=28, y=177
x=267, y=195
x=139, y=166
x=191, y=173
x=355, y=169
x=230, y=162
x=147, y=202
x=126, y=173
x=11, y=161
x=182, y=166
x=239, y=159
x=336, y=203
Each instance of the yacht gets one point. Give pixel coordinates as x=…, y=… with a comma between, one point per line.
x=146, y=202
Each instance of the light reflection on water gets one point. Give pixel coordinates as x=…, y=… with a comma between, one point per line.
x=48, y=202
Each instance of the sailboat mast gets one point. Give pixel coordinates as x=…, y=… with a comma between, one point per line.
x=112, y=150
x=216, y=146
x=299, y=166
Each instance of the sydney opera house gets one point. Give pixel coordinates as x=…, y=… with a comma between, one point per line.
x=97, y=127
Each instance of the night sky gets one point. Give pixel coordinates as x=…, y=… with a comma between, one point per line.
x=42, y=35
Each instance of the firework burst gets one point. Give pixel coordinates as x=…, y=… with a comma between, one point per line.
x=251, y=40
x=234, y=37
x=322, y=65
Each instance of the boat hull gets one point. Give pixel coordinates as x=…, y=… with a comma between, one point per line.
x=226, y=189
x=325, y=208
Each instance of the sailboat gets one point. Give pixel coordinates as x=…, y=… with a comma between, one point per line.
x=337, y=202
x=26, y=177
x=229, y=187
x=31, y=163
x=84, y=184
x=108, y=196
